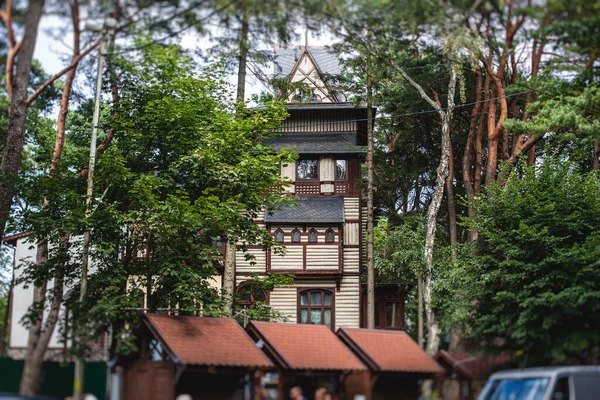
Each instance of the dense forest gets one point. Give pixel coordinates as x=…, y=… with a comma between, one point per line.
x=482, y=168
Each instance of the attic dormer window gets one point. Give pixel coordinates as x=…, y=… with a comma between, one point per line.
x=307, y=169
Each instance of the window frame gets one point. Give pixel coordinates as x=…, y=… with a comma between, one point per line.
x=335, y=177
x=310, y=232
x=294, y=231
x=279, y=230
x=330, y=230
x=317, y=179
x=252, y=302
x=322, y=307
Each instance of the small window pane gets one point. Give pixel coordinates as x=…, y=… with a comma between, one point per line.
x=296, y=236
x=303, y=316
x=341, y=169
x=315, y=316
x=329, y=236
x=307, y=169
x=312, y=236
x=327, y=317
x=377, y=315
x=304, y=299
x=327, y=300
x=315, y=298
x=279, y=236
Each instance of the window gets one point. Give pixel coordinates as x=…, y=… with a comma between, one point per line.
x=279, y=236
x=316, y=307
x=248, y=294
x=312, y=235
x=307, y=169
x=341, y=170
x=296, y=236
x=329, y=236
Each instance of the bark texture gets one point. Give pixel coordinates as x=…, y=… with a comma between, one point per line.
x=37, y=347
x=17, y=116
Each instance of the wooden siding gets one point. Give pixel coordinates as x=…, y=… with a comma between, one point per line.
x=347, y=299
x=352, y=260
x=312, y=121
x=243, y=265
x=327, y=169
x=293, y=259
x=289, y=171
x=352, y=233
x=351, y=208
x=322, y=257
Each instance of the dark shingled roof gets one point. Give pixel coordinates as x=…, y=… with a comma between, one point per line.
x=317, y=143
x=285, y=60
x=325, y=210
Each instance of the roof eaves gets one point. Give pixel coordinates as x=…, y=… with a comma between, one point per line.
x=271, y=349
x=164, y=343
x=360, y=352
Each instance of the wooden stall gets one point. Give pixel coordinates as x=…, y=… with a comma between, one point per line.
x=206, y=358
x=395, y=364
x=308, y=356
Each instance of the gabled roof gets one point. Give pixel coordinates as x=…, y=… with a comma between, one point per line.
x=310, y=209
x=332, y=143
x=304, y=347
x=219, y=342
x=326, y=60
x=388, y=351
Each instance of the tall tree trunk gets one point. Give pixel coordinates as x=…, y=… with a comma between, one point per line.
x=596, y=156
x=229, y=275
x=36, y=349
x=243, y=49
x=452, y=229
x=470, y=149
x=433, y=328
x=370, y=222
x=230, y=245
x=17, y=116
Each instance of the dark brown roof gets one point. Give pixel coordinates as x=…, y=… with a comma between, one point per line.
x=317, y=143
x=310, y=209
x=304, y=347
x=206, y=341
x=388, y=351
x=472, y=366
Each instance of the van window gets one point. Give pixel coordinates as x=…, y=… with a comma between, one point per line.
x=586, y=386
x=561, y=389
x=508, y=389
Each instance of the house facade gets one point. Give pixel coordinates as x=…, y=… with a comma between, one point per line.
x=323, y=231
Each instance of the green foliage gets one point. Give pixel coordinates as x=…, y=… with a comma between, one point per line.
x=533, y=276
x=186, y=166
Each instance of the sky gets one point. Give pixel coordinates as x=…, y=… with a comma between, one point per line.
x=54, y=53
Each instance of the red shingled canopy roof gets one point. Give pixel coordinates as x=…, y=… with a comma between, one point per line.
x=388, y=351
x=206, y=341
x=304, y=347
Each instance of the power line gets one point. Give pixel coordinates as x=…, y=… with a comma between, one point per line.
x=398, y=115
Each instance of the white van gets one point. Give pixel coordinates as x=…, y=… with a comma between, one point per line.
x=550, y=383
